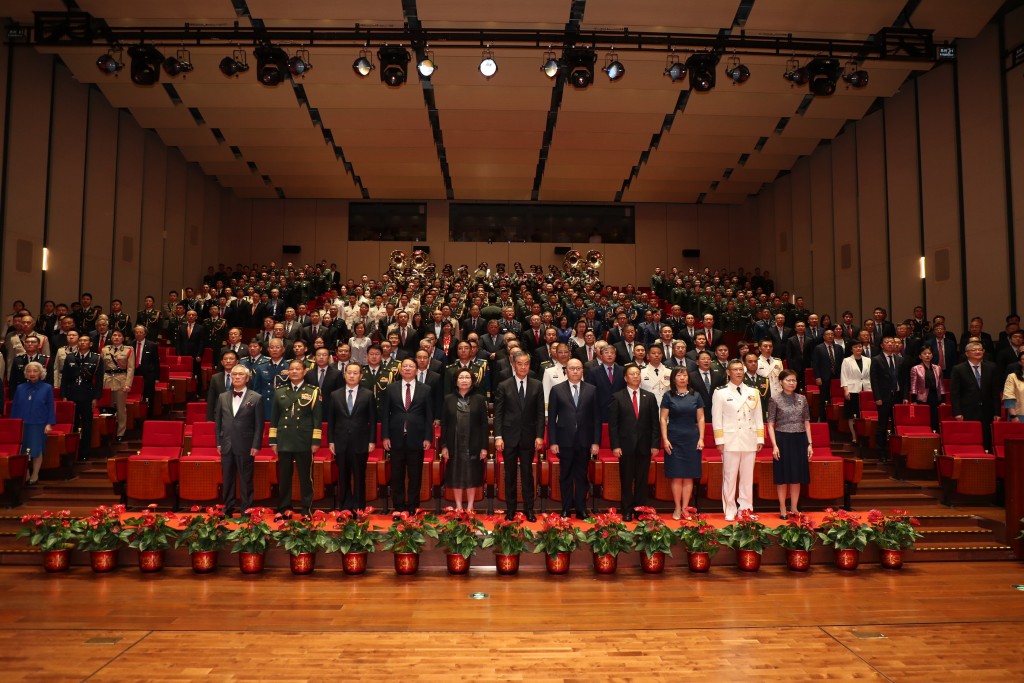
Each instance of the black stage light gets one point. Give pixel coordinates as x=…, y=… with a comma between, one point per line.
x=613, y=67
x=580, y=66
x=855, y=77
x=824, y=75
x=674, y=69
x=109, y=64
x=394, y=65
x=737, y=72
x=299, y=64
x=796, y=74
x=235, y=64
x=702, y=70
x=550, y=65
x=271, y=64
x=180, y=63
x=363, y=64
x=145, y=66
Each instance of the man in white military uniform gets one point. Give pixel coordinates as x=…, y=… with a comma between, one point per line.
x=769, y=366
x=556, y=373
x=654, y=377
x=739, y=433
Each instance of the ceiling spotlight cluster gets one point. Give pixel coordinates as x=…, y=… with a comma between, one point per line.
x=145, y=66
x=821, y=75
x=180, y=63
x=700, y=67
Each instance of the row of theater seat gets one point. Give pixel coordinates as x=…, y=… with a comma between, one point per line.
x=179, y=461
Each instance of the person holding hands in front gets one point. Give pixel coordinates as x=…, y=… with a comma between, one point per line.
x=789, y=426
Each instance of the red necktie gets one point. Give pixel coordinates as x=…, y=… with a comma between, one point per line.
x=636, y=407
x=941, y=344
x=611, y=376
x=536, y=335
x=408, y=396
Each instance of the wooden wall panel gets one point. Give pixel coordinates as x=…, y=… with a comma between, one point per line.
x=801, y=241
x=331, y=225
x=652, y=232
x=823, y=257
x=235, y=245
x=716, y=244
x=174, y=223
x=845, y=222
x=67, y=182
x=767, y=256
x=100, y=187
x=267, y=230
x=984, y=179
x=212, y=195
x=940, y=193
x=682, y=231
x=783, y=202
x=300, y=230
x=152, y=231
x=746, y=237
x=872, y=212
x=28, y=152
x=902, y=169
x=193, y=268
x=127, y=212
x=1015, y=150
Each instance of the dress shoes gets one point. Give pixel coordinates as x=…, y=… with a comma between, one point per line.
x=580, y=515
x=566, y=513
x=530, y=517
x=509, y=515
x=628, y=517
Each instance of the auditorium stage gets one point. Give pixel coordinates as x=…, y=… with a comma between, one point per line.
x=927, y=622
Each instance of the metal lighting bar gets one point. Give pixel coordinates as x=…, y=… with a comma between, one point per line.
x=81, y=29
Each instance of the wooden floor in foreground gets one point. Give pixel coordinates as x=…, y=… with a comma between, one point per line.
x=928, y=622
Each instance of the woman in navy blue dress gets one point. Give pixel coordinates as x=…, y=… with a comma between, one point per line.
x=682, y=436
x=33, y=405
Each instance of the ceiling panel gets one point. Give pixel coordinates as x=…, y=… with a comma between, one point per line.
x=240, y=94
x=666, y=185
x=257, y=117
x=492, y=97
x=639, y=197
x=616, y=100
x=820, y=18
x=522, y=13
x=498, y=121
x=813, y=127
x=352, y=121
x=688, y=142
x=724, y=198
x=838, y=106
x=312, y=12
x=287, y=137
x=455, y=139
x=483, y=155
x=320, y=192
x=694, y=16
x=778, y=144
x=726, y=124
x=163, y=117
x=21, y=10
x=199, y=135
x=756, y=175
x=264, y=192
x=132, y=12
x=578, y=194
x=368, y=94
x=955, y=18
x=493, y=170
x=732, y=102
x=770, y=161
x=233, y=167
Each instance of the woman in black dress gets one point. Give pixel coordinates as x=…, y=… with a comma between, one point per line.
x=464, y=439
x=682, y=437
x=789, y=425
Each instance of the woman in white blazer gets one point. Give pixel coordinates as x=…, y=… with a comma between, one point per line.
x=854, y=377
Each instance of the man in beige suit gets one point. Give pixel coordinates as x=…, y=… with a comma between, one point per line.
x=739, y=434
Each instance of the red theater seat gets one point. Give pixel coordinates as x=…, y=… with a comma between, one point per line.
x=1001, y=431
x=154, y=471
x=200, y=471
x=964, y=466
x=12, y=463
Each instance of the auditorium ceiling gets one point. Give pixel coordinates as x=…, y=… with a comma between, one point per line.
x=641, y=138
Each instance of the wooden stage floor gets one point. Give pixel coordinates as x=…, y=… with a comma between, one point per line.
x=929, y=622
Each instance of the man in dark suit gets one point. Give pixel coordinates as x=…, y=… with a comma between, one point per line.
x=190, y=344
x=574, y=431
x=219, y=383
x=519, y=431
x=826, y=360
x=532, y=338
x=473, y=323
x=234, y=343
x=883, y=328
x=432, y=378
x=704, y=381
x=974, y=331
x=944, y=349
x=634, y=430
x=798, y=352
x=492, y=342
x=624, y=348
x=351, y=431
x=711, y=334
x=975, y=389
x=607, y=377
x=147, y=365
x=239, y=427
x=886, y=371
x=406, y=428
x=324, y=374
x=317, y=329
x=779, y=334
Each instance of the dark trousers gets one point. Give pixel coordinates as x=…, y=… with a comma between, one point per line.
x=884, y=417
x=303, y=460
x=351, y=476
x=572, y=477
x=83, y=421
x=824, y=398
x=633, y=473
x=237, y=466
x=149, y=393
x=406, y=475
x=520, y=459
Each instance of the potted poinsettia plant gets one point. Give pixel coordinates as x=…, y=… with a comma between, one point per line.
x=354, y=539
x=406, y=538
x=894, y=533
x=653, y=539
x=557, y=539
x=250, y=537
x=151, y=534
x=847, y=533
x=608, y=537
x=797, y=536
x=301, y=536
x=701, y=540
x=55, y=534
x=100, y=535
x=749, y=537
x=509, y=538
x=203, y=533
x=459, y=533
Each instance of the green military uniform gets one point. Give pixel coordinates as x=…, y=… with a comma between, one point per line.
x=216, y=332
x=763, y=389
x=296, y=418
x=121, y=321
x=151, y=320
x=479, y=370
x=378, y=382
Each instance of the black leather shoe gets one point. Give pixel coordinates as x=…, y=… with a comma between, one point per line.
x=530, y=517
x=566, y=513
x=581, y=515
x=628, y=517
x=509, y=515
